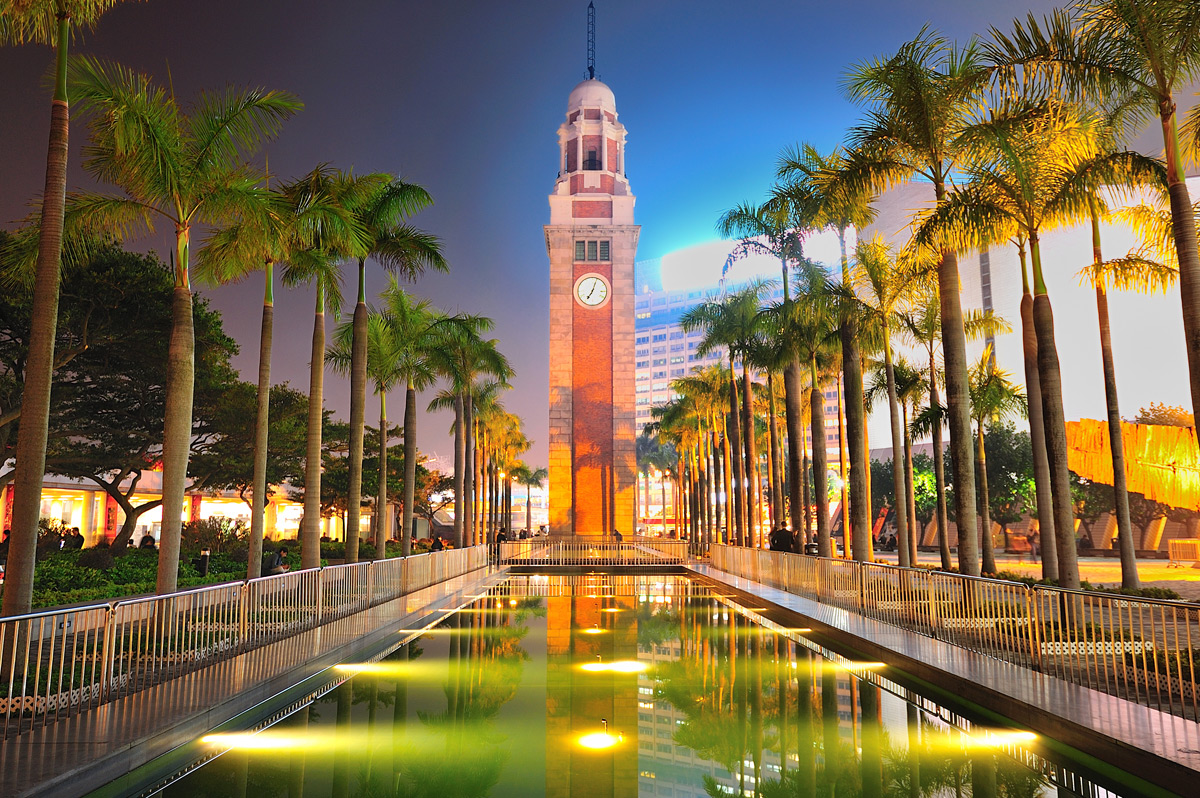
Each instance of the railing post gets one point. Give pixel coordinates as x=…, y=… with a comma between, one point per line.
x=107, y=665
x=320, y=595
x=1035, y=628
x=934, y=619
x=244, y=592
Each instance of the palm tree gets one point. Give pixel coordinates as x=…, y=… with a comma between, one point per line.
x=840, y=202
x=47, y=23
x=419, y=331
x=1134, y=272
x=733, y=322
x=381, y=206
x=776, y=228
x=1030, y=168
x=922, y=325
x=880, y=287
x=463, y=359
x=1143, y=51
x=387, y=353
x=181, y=166
x=277, y=235
x=316, y=261
x=809, y=326
x=530, y=478
x=994, y=396
x=920, y=99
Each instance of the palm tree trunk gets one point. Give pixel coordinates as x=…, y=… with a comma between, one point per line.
x=468, y=486
x=776, y=461
x=899, y=494
x=410, y=464
x=754, y=483
x=310, y=525
x=727, y=475
x=805, y=495
x=663, y=487
x=358, y=415
x=1116, y=440
x=177, y=423
x=1055, y=425
x=739, y=464
x=460, y=456
x=1037, y=430
x=529, y=508
x=842, y=457
x=793, y=419
x=910, y=488
x=958, y=407
x=985, y=514
x=33, y=431
x=859, y=533
x=381, y=497
x=1183, y=226
x=258, y=491
x=939, y=467
x=819, y=465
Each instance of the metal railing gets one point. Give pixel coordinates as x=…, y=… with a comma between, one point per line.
x=60, y=662
x=650, y=552
x=1142, y=650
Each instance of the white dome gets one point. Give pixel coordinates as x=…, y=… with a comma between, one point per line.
x=592, y=94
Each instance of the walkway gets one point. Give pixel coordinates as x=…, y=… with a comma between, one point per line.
x=108, y=744
x=1161, y=748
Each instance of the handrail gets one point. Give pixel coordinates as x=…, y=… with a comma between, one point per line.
x=58, y=662
x=1144, y=650
x=597, y=551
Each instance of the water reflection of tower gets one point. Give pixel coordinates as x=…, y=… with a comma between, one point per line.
x=577, y=700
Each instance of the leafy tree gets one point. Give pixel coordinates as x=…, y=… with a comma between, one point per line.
x=1009, y=472
x=110, y=394
x=228, y=462
x=1092, y=501
x=1164, y=415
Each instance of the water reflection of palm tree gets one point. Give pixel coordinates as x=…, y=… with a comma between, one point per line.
x=458, y=753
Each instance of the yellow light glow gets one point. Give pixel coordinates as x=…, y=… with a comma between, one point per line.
x=862, y=666
x=598, y=740
x=377, y=668
x=259, y=742
x=611, y=609
x=593, y=631
x=995, y=739
x=512, y=603
x=619, y=666
x=799, y=630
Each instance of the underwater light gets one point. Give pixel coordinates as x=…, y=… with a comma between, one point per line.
x=258, y=742
x=601, y=739
x=595, y=630
x=611, y=609
x=619, y=666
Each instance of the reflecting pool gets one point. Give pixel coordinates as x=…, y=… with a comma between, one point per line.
x=612, y=685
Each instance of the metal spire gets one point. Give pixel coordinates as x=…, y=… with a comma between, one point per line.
x=591, y=41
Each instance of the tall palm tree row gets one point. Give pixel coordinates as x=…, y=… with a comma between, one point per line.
x=381, y=206
x=837, y=202
x=183, y=166
x=1030, y=167
x=1143, y=52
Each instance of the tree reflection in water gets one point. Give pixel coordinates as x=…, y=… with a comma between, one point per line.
x=784, y=722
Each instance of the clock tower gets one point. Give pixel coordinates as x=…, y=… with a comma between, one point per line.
x=592, y=242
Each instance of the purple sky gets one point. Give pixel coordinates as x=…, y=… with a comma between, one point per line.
x=465, y=98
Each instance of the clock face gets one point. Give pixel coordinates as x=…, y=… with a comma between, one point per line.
x=591, y=290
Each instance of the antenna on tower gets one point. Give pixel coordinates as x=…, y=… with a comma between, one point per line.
x=591, y=41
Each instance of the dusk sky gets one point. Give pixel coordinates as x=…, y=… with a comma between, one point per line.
x=465, y=98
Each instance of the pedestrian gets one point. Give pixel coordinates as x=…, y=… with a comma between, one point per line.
x=275, y=563
x=74, y=540
x=147, y=541
x=438, y=545
x=617, y=536
x=1033, y=538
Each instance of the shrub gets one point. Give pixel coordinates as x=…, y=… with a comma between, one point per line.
x=99, y=559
